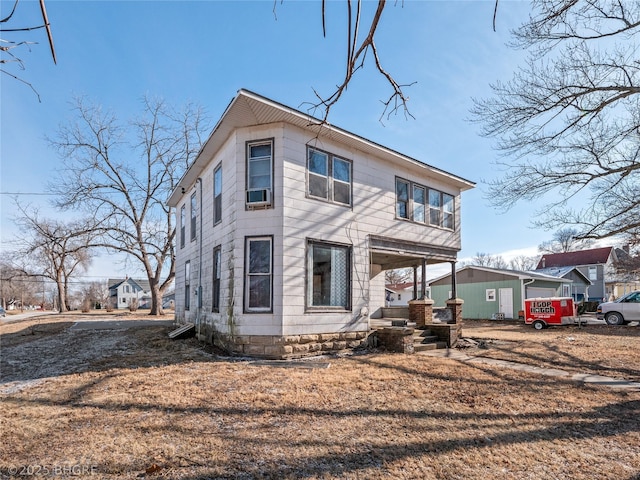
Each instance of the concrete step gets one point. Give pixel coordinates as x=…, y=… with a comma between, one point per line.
x=422, y=333
x=395, y=312
x=423, y=347
x=425, y=339
x=184, y=331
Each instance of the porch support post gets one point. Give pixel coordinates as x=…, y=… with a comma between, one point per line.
x=454, y=285
x=423, y=285
x=415, y=282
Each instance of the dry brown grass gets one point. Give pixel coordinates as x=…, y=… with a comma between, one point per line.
x=139, y=405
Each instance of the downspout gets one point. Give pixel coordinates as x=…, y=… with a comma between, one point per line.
x=524, y=291
x=199, y=291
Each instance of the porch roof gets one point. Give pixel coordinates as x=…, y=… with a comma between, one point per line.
x=393, y=253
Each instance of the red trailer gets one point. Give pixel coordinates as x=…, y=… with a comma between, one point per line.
x=542, y=312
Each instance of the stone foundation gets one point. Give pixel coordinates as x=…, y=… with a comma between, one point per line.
x=289, y=346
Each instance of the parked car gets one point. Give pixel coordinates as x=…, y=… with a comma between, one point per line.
x=621, y=311
x=3, y=312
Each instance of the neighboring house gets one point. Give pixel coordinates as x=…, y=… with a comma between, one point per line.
x=169, y=300
x=124, y=291
x=597, y=265
x=578, y=289
x=488, y=292
x=286, y=225
x=616, y=289
x=399, y=294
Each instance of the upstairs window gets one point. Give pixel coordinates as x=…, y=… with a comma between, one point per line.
x=217, y=195
x=259, y=173
x=328, y=177
x=419, y=203
x=402, y=199
x=424, y=205
x=193, y=216
x=183, y=221
x=435, y=207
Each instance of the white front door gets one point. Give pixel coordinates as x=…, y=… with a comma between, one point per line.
x=506, y=302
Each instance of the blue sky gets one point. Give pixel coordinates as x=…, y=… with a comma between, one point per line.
x=114, y=52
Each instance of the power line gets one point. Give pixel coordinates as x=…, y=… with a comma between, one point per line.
x=26, y=193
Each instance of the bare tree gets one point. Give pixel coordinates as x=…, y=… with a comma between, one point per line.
x=8, y=54
x=627, y=267
x=568, y=120
x=483, y=259
x=398, y=276
x=95, y=295
x=124, y=182
x=18, y=288
x=54, y=249
x=523, y=263
x=565, y=240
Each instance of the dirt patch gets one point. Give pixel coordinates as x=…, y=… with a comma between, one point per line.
x=131, y=403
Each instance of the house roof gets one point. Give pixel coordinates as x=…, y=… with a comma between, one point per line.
x=594, y=256
x=519, y=274
x=399, y=286
x=563, y=272
x=250, y=109
x=116, y=282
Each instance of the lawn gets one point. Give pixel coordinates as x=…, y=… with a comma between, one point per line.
x=118, y=404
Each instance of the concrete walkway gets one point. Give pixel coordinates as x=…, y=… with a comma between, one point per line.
x=588, y=378
x=11, y=318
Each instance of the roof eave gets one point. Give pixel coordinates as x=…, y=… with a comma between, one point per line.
x=276, y=112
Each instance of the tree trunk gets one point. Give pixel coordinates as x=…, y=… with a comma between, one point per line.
x=156, y=298
x=62, y=299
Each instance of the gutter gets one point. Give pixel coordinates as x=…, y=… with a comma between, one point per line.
x=524, y=291
x=199, y=291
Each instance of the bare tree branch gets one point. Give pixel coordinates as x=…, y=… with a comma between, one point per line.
x=568, y=123
x=355, y=60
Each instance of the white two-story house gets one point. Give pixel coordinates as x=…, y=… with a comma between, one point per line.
x=285, y=227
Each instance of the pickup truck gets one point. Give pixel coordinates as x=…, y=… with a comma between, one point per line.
x=621, y=311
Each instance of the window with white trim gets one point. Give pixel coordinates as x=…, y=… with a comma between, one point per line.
x=215, y=285
x=402, y=199
x=420, y=204
x=328, y=177
x=217, y=195
x=187, y=285
x=183, y=221
x=259, y=274
x=193, y=216
x=328, y=275
x=259, y=172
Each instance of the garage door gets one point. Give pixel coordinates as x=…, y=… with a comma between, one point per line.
x=536, y=292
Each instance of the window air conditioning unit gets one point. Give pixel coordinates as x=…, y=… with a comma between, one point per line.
x=258, y=198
